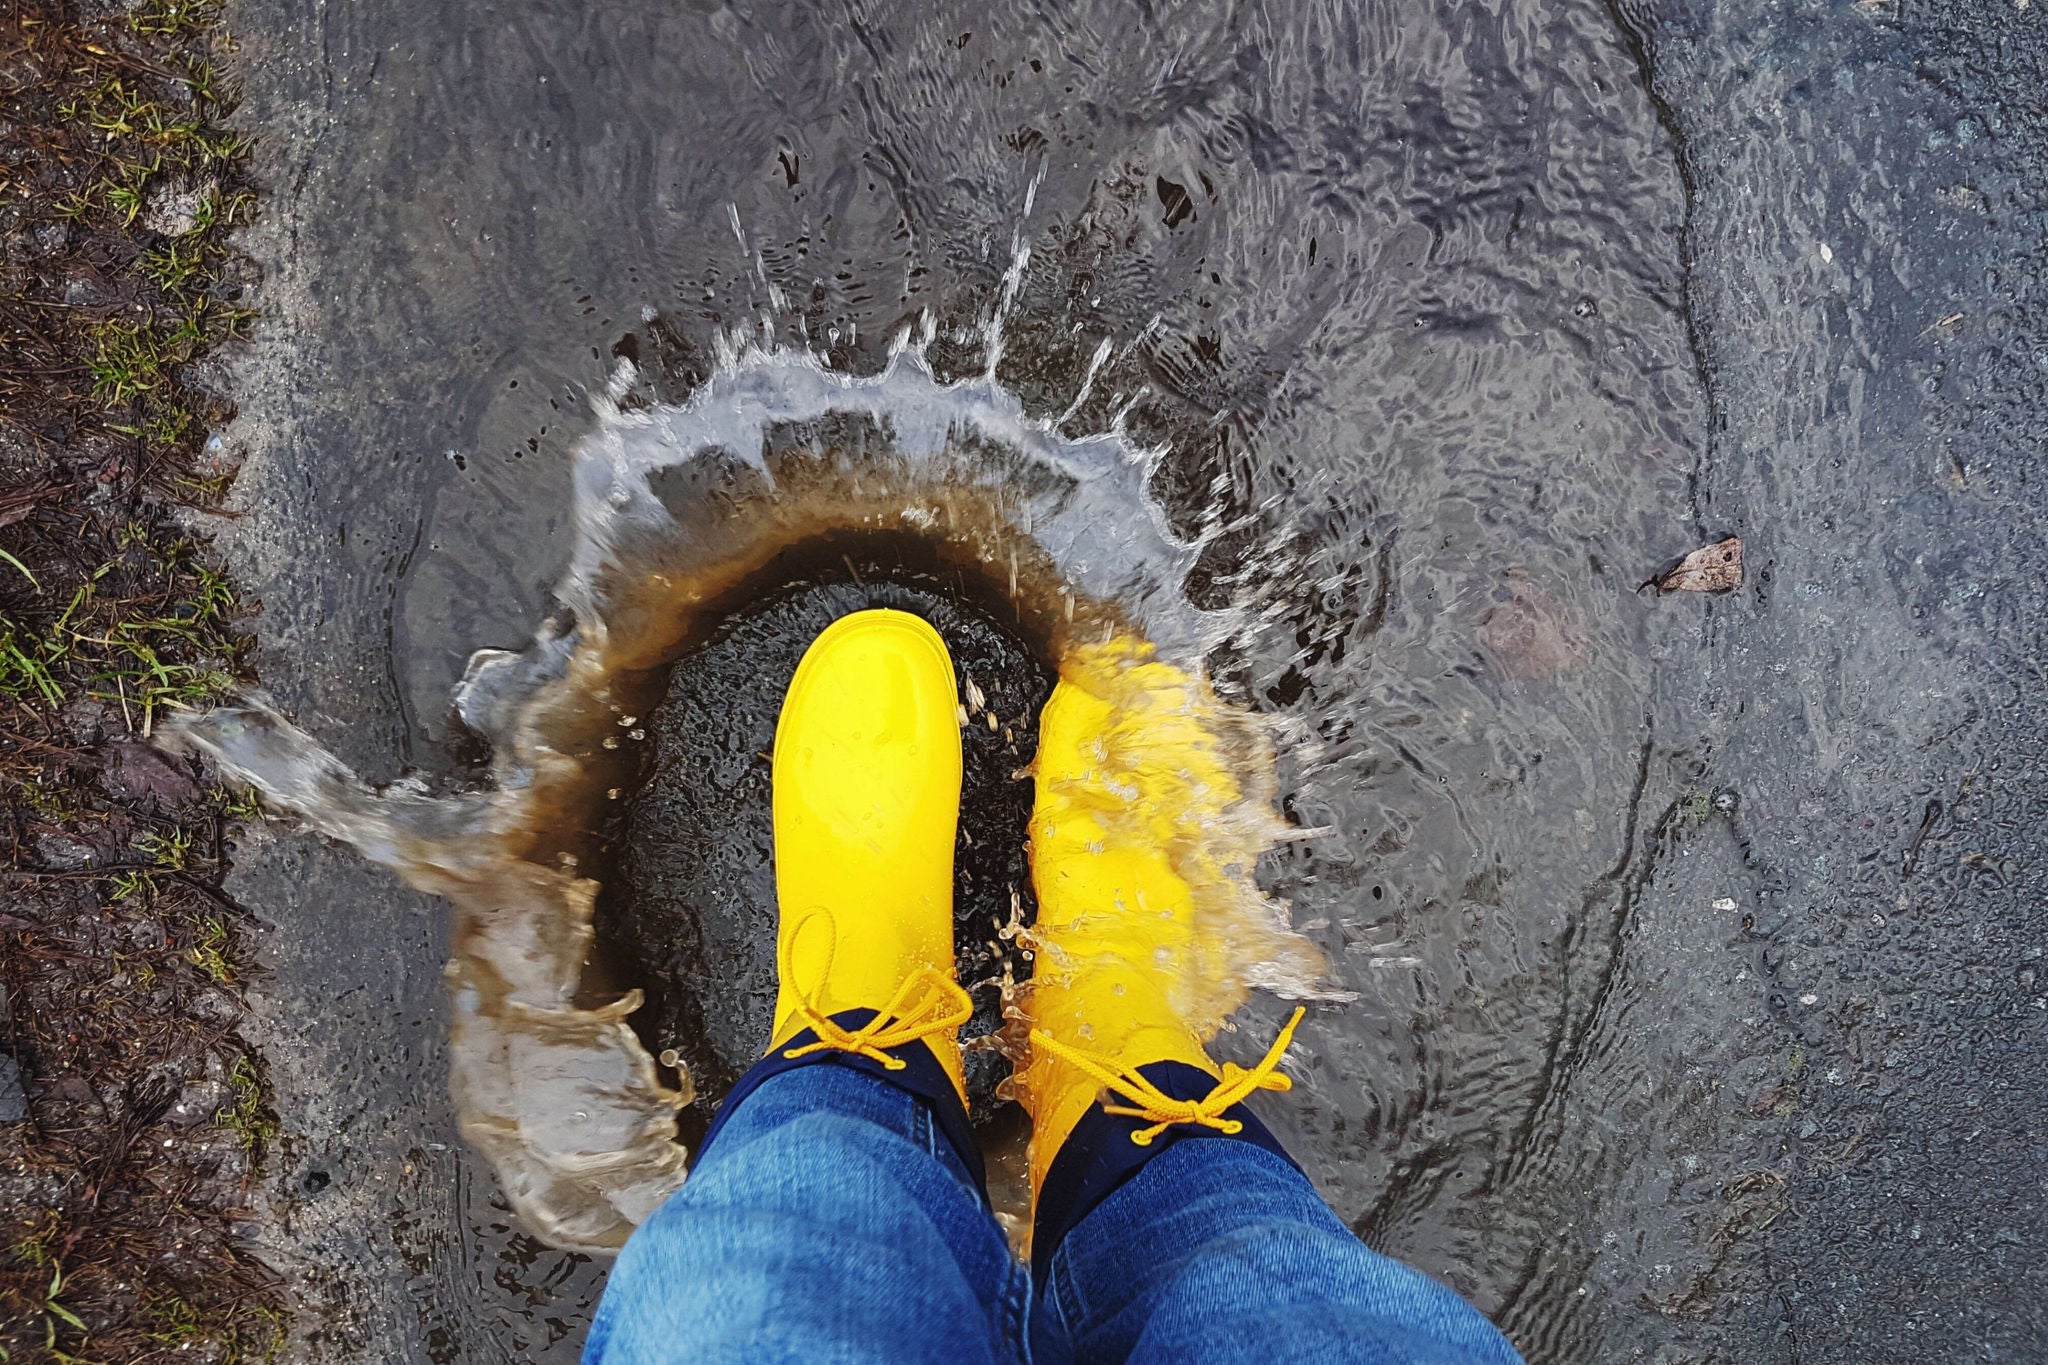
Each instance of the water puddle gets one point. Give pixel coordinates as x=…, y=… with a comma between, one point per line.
x=1409, y=283
x=618, y=847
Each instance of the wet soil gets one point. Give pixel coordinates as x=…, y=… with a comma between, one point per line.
x=134, y=1122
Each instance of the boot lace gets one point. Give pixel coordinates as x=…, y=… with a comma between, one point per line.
x=1163, y=1111
x=928, y=1003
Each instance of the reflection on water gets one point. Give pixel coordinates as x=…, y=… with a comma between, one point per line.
x=679, y=510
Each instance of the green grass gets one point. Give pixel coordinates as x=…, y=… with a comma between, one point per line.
x=34, y=582
x=129, y=361
x=243, y=1114
x=145, y=147
x=115, y=107
x=223, y=210
x=124, y=197
x=171, y=850
x=25, y=669
x=35, y=1251
x=141, y=662
x=176, y=267
x=140, y=674
x=173, y=1321
x=1695, y=806
x=242, y=805
x=176, y=1323
x=133, y=882
x=48, y=804
x=210, y=953
x=172, y=17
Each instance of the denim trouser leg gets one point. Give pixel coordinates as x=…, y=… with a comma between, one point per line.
x=1219, y=1252
x=831, y=1221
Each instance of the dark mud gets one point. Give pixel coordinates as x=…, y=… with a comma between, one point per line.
x=1696, y=940
x=691, y=917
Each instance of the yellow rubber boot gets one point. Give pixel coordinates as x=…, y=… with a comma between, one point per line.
x=867, y=801
x=1121, y=959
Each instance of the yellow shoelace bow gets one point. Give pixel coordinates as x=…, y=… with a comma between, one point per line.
x=943, y=1007
x=1163, y=1111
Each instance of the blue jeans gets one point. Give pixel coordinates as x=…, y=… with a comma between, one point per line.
x=833, y=1216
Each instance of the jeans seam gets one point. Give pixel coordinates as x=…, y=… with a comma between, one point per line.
x=1067, y=1301
x=1016, y=1306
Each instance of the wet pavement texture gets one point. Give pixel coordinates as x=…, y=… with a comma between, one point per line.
x=1697, y=940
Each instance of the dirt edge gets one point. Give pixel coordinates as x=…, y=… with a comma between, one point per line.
x=133, y=1118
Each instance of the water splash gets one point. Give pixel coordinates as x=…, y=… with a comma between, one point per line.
x=1142, y=767
x=679, y=512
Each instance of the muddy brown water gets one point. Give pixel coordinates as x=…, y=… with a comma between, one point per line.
x=1696, y=944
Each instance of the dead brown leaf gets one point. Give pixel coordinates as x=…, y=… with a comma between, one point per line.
x=1711, y=568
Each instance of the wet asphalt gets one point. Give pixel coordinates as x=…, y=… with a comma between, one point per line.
x=1772, y=1045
